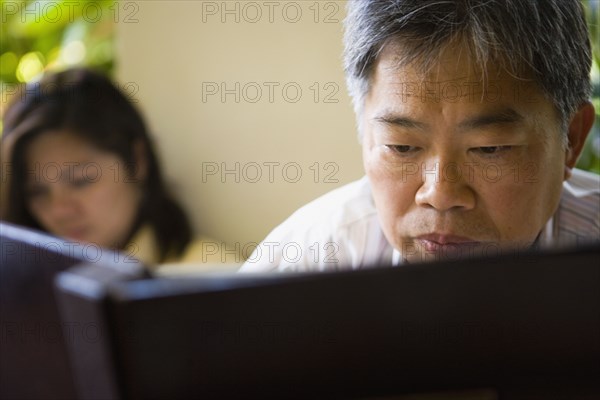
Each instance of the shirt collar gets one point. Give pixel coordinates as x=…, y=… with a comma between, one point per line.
x=396, y=258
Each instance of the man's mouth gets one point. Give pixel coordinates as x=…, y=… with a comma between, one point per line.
x=435, y=242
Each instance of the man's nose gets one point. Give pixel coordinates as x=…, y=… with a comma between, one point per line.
x=444, y=187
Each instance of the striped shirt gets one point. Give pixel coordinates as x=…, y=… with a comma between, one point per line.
x=577, y=219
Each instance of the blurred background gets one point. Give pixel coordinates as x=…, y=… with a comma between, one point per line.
x=246, y=100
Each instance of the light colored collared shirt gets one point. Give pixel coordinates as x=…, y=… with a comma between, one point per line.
x=341, y=230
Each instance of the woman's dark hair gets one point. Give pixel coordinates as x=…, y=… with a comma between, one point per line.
x=87, y=104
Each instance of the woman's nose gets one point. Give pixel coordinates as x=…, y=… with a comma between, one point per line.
x=63, y=203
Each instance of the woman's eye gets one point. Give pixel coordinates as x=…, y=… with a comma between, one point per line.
x=35, y=192
x=80, y=182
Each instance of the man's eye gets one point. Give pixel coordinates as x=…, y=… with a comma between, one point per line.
x=491, y=150
x=402, y=148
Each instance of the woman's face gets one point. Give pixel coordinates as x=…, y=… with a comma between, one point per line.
x=77, y=191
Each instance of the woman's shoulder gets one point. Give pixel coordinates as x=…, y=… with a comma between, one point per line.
x=203, y=254
x=206, y=250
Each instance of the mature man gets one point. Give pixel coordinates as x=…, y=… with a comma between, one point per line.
x=471, y=116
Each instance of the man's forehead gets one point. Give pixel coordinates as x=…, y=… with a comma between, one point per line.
x=452, y=61
x=453, y=74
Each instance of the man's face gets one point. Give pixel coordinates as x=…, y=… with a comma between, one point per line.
x=459, y=166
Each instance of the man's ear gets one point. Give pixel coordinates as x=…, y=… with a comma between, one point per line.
x=579, y=128
x=140, y=153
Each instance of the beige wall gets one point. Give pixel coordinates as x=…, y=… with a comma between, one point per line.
x=175, y=54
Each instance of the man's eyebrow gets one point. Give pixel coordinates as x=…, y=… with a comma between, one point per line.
x=400, y=121
x=505, y=116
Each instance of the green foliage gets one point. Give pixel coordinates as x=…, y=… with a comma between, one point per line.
x=40, y=35
x=590, y=158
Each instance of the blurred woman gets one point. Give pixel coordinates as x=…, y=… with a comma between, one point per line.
x=81, y=165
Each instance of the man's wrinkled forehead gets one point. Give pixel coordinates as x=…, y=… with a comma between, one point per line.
x=451, y=74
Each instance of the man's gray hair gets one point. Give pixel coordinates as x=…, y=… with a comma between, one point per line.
x=546, y=39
